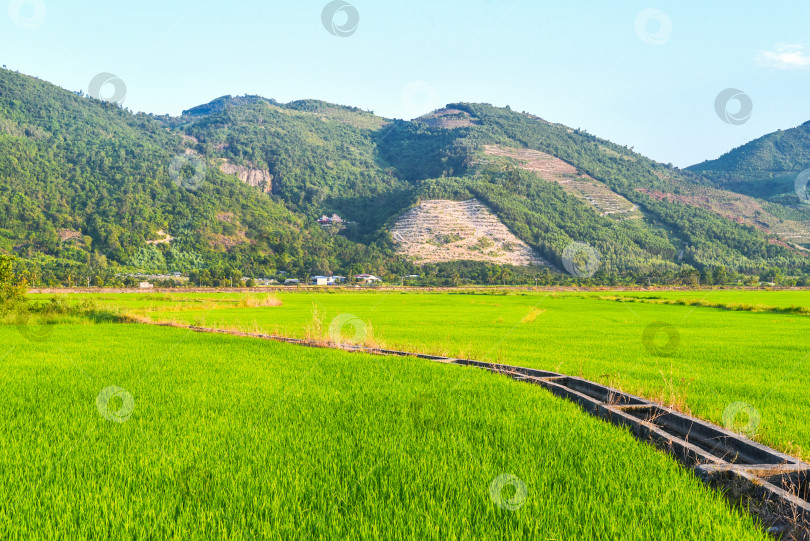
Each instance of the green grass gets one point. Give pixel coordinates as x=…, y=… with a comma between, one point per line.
x=241, y=438
x=754, y=298
x=722, y=357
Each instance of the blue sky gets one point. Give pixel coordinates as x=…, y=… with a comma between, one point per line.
x=640, y=74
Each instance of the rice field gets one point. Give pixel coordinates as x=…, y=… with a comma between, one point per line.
x=755, y=299
x=715, y=363
x=216, y=436
x=131, y=431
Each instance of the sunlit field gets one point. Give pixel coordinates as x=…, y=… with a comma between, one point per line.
x=129, y=431
x=710, y=362
x=399, y=281
x=750, y=299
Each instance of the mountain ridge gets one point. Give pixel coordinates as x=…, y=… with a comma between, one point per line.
x=765, y=167
x=90, y=166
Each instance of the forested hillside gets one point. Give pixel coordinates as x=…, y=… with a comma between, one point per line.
x=85, y=185
x=669, y=235
x=234, y=187
x=765, y=167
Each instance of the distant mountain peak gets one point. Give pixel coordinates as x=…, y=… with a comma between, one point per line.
x=222, y=103
x=764, y=167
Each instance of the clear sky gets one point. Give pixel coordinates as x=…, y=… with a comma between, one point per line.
x=643, y=75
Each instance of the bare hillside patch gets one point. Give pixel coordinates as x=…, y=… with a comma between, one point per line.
x=449, y=119
x=740, y=208
x=259, y=178
x=438, y=230
x=576, y=183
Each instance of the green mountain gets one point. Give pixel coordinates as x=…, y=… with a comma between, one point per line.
x=765, y=167
x=86, y=185
x=89, y=190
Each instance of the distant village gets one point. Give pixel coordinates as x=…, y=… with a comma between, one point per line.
x=148, y=281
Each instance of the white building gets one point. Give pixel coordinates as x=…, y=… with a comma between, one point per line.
x=327, y=280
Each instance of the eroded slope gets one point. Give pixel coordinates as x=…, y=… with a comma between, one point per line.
x=734, y=206
x=578, y=184
x=439, y=230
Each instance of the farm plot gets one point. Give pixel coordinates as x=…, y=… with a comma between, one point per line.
x=716, y=364
x=141, y=432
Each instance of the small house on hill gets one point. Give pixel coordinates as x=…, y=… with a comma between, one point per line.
x=367, y=278
x=327, y=221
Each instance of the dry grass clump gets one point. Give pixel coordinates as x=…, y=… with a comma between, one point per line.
x=258, y=301
x=674, y=393
x=343, y=330
x=532, y=315
x=315, y=330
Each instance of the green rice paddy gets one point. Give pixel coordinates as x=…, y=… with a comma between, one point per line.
x=129, y=431
x=710, y=362
x=140, y=432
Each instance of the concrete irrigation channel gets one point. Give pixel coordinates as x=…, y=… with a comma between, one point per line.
x=770, y=484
